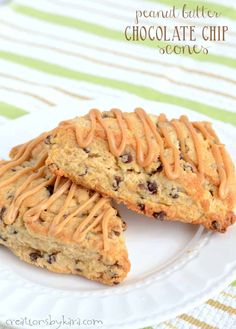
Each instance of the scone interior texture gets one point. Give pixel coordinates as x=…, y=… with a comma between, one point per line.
x=170, y=170
x=53, y=223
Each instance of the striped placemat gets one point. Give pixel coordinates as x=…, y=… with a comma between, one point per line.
x=58, y=51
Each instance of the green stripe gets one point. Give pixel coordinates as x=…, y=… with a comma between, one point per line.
x=223, y=10
x=10, y=111
x=111, y=34
x=234, y=284
x=141, y=91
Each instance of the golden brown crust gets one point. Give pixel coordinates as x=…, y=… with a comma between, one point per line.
x=146, y=190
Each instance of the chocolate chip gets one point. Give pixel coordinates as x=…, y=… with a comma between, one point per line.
x=2, y=212
x=51, y=258
x=13, y=231
x=186, y=147
x=211, y=192
x=215, y=225
x=175, y=196
x=117, y=265
x=187, y=167
x=35, y=255
x=174, y=193
x=107, y=114
x=104, y=115
x=152, y=187
x=116, y=183
x=116, y=282
x=141, y=206
x=181, y=157
x=53, y=167
x=160, y=215
x=160, y=168
x=124, y=225
x=142, y=186
x=13, y=169
x=48, y=140
x=3, y=239
x=118, y=214
x=130, y=170
x=86, y=150
x=157, y=170
x=126, y=158
x=117, y=233
x=90, y=193
x=85, y=172
x=50, y=189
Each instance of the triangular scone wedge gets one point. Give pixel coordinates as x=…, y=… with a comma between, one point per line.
x=50, y=222
x=171, y=170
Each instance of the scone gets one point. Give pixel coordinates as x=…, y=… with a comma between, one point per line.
x=51, y=222
x=170, y=170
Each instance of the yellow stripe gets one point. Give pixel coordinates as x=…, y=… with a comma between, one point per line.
x=201, y=324
x=222, y=307
x=226, y=294
x=119, y=66
x=119, y=53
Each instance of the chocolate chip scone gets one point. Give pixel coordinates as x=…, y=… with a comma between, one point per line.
x=171, y=170
x=50, y=222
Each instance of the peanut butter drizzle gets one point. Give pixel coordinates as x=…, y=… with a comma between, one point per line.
x=55, y=223
x=33, y=214
x=180, y=136
x=94, y=211
x=157, y=140
x=95, y=116
x=57, y=183
x=106, y=217
x=142, y=159
x=176, y=172
x=223, y=162
x=24, y=154
x=197, y=144
x=22, y=193
x=57, y=227
x=25, y=171
x=100, y=212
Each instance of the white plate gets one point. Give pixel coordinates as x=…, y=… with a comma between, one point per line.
x=174, y=266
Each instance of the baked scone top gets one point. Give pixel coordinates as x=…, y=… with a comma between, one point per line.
x=154, y=138
x=189, y=175
x=53, y=205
